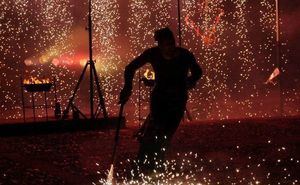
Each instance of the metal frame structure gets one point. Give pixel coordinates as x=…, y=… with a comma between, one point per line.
x=45, y=106
x=93, y=79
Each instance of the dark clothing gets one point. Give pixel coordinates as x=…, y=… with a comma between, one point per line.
x=168, y=98
x=171, y=76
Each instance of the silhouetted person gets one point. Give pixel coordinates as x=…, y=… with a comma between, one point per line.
x=171, y=65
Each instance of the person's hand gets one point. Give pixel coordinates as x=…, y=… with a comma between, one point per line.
x=147, y=82
x=124, y=95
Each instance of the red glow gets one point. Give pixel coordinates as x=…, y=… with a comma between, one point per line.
x=207, y=36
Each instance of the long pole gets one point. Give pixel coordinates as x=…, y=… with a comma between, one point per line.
x=278, y=56
x=179, y=22
x=139, y=97
x=110, y=176
x=91, y=61
x=22, y=94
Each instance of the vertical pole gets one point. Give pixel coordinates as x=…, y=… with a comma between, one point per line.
x=33, y=105
x=71, y=100
x=55, y=90
x=139, y=97
x=91, y=61
x=22, y=94
x=179, y=22
x=46, y=106
x=101, y=99
x=278, y=56
x=91, y=93
x=180, y=40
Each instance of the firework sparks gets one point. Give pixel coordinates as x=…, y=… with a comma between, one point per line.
x=49, y=37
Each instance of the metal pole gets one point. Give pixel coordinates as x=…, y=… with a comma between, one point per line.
x=278, y=56
x=179, y=22
x=55, y=90
x=139, y=97
x=91, y=61
x=71, y=100
x=91, y=64
x=46, y=105
x=33, y=105
x=23, y=103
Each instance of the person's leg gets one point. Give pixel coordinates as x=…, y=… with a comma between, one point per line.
x=149, y=148
x=165, y=118
x=173, y=119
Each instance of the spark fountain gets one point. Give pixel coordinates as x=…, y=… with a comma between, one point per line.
x=227, y=37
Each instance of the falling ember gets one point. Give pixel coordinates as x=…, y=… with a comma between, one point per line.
x=274, y=74
x=55, y=62
x=28, y=62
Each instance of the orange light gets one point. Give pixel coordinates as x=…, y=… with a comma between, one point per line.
x=34, y=80
x=149, y=75
x=274, y=74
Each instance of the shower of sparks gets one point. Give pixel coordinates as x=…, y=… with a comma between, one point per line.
x=233, y=75
x=207, y=36
x=32, y=33
x=233, y=40
x=144, y=19
x=191, y=169
x=106, y=18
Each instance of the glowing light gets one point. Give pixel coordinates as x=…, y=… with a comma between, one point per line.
x=221, y=34
x=274, y=74
x=35, y=80
x=149, y=75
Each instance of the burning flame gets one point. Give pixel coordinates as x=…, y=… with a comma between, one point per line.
x=35, y=80
x=149, y=75
x=274, y=74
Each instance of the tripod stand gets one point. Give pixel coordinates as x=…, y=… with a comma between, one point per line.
x=93, y=75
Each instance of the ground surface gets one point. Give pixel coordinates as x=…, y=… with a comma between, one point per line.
x=225, y=152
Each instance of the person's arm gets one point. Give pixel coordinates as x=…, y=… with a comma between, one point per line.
x=129, y=73
x=196, y=71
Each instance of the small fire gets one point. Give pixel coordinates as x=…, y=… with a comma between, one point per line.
x=35, y=80
x=149, y=75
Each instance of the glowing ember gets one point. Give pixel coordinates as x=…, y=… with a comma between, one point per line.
x=275, y=73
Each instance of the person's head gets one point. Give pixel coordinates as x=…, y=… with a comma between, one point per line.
x=165, y=39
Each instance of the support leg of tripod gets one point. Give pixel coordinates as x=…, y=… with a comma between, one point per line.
x=75, y=108
x=102, y=103
x=66, y=111
x=91, y=89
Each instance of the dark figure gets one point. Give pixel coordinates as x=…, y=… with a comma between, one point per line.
x=171, y=65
